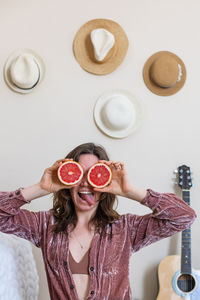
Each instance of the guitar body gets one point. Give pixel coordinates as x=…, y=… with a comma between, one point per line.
x=177, y=279
x=168, y=274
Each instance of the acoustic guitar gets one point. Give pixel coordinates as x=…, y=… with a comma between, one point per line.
x=177, y=279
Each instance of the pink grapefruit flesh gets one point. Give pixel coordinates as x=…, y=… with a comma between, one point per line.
x=70, y=172
x=99, y=175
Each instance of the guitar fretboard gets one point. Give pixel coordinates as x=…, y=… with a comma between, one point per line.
x=186, y=242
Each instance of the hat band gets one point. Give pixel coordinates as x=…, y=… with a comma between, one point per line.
x=180, y=73
x=25, y=89
x=30, y=87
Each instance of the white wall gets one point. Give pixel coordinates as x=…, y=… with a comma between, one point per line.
x=39, y=128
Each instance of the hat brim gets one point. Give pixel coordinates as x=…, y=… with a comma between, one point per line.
x=157, y=89
x=11, y=59
x=98, y=117
x=83, y=48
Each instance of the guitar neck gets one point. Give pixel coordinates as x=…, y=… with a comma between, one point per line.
x=186, y=265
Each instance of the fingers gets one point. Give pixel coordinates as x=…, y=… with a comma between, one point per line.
x=116, y=165
x=111, y=163
x=103, y=190
x=58, y=163
x=62, y=161
x=119, y=166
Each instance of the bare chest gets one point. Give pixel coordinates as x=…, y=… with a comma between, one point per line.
x=79, y=244
x=82, y=283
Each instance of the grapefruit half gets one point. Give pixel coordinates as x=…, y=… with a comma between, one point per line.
x=99, y=175
x=70, y=172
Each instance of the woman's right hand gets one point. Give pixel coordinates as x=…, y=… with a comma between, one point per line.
x=50, y=182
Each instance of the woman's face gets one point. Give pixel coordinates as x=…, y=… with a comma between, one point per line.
x=83, y=195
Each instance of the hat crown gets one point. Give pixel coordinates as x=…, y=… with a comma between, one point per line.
x=84, y=49
x=102, y=41
x=24, y=71
x=118, y=113
x=164, y=71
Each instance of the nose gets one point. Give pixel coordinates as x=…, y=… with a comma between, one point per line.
x=84, y=181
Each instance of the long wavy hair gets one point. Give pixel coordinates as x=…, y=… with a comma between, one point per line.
x=63, y=206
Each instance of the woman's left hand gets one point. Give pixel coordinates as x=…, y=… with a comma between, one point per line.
x=120, y=184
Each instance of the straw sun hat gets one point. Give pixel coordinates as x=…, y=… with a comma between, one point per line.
x=100, y=46
x=23, y=71
x=164, y=73
x=117, y=113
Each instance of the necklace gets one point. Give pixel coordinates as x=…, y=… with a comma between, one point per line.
x=82, y=247
x=78, y=241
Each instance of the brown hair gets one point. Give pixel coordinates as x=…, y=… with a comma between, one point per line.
x=63, y=206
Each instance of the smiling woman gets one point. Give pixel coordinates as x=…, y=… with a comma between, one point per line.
x=83, y=210
x=86, y=244
x=64, y=209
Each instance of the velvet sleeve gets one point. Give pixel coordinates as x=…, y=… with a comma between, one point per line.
x=20, y=222
x=170, y=214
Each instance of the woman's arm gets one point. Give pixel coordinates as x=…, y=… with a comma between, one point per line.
x=33, y=192
x=120, y=184
x=49, y=183
x=170, y=214
x=22, y=222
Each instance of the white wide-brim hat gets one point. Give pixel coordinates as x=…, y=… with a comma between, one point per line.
x=23, y=71
x=117, y=113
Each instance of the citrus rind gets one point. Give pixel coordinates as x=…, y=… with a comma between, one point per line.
x=70, y=183
x=107, y=182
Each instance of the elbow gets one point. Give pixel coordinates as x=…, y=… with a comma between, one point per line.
x=188, y=219
x=193, y=216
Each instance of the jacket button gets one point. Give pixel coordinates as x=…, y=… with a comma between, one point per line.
x=91, y=268
x=92, y=292
x=17, y=193
x=71, y=287
x=65, y=263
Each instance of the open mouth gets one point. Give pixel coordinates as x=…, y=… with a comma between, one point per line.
x=87, y=196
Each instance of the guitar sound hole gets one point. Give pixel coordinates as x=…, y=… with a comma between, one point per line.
x=186, y=282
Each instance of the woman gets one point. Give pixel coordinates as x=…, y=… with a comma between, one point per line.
x=86, y=245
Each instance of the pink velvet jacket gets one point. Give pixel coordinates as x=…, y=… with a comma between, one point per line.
x=109, y=254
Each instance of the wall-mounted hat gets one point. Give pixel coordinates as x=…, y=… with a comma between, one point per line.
x=100, y=46
x=164, y=73
x=117, y=113
x=23, y=71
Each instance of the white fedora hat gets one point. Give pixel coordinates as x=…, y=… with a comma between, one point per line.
x=23, y=71
x=117, y=113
